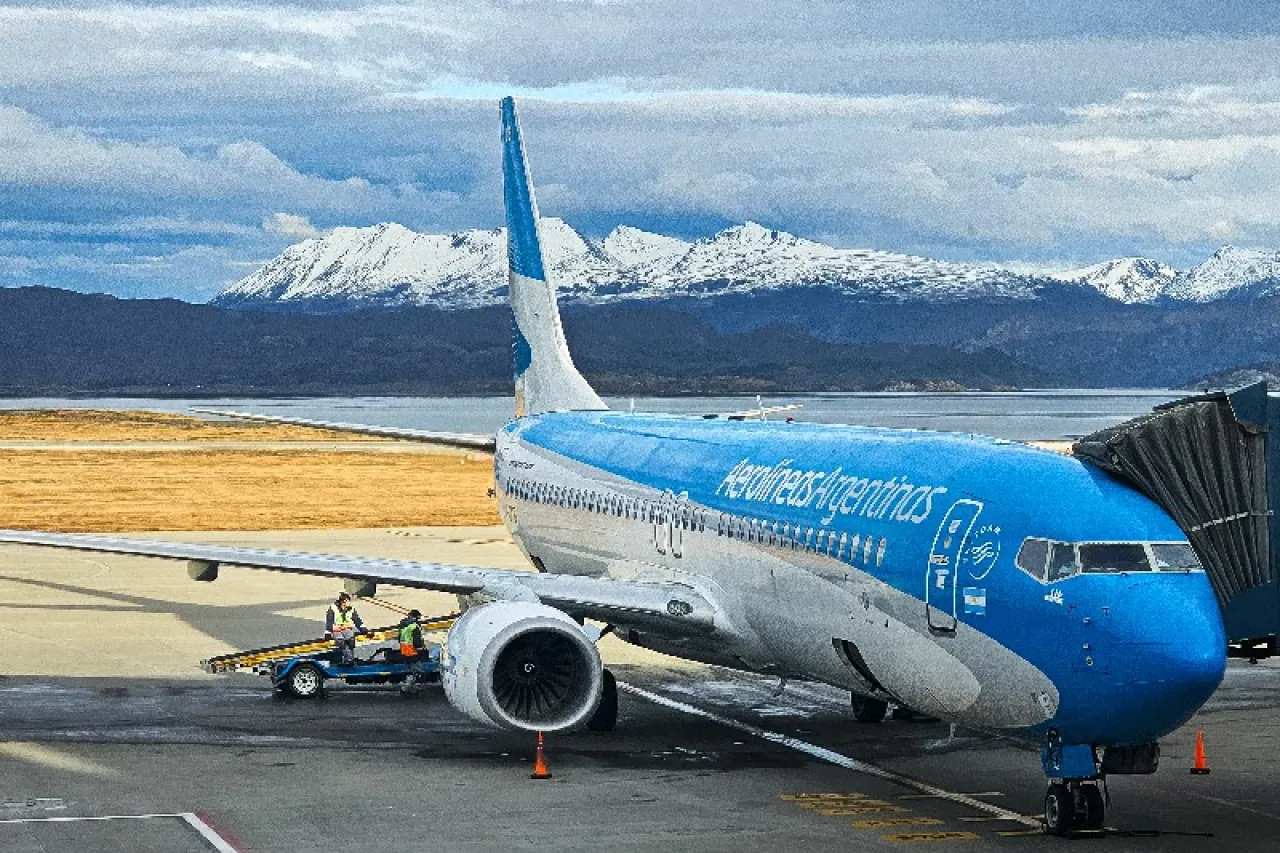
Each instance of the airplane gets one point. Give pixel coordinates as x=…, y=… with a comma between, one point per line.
x=1002, y=587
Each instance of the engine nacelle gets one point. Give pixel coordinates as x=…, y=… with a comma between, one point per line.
x=522, y=666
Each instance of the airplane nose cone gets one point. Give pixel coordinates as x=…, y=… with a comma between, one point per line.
x=1173, y=657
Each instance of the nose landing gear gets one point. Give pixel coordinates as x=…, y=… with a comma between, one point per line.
x=1074, y=802
x=1072, y=805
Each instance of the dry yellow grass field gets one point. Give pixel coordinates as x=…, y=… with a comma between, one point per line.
x=97, y=425
x=206, y=487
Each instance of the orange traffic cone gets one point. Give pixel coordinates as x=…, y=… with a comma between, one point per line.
x=540, y=770
x=1201, y=767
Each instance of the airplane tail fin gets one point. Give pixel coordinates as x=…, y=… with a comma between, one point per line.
x=546, y=379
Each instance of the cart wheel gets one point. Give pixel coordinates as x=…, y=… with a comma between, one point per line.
x=305, y=681
x=605, y=719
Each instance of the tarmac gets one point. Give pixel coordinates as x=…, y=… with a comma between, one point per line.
x=113, y=739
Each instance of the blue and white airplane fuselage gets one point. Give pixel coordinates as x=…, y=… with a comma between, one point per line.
x=883, y=561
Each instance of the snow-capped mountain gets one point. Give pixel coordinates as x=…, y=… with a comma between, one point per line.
x=1229, y=273
x=389, y=265
x=1131, y=280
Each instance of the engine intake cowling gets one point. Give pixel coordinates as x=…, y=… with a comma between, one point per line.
x=522, y=666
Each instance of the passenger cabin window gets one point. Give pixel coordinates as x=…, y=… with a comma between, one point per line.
x=1112, y=558
x=1033, y=556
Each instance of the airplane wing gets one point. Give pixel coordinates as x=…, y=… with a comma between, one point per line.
x=761, y=413
x=461, y=440
x=670, y=607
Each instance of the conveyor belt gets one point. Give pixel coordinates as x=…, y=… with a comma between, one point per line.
x=254, y=657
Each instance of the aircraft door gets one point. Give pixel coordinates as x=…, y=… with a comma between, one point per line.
x=668, y=533
x=940, y=589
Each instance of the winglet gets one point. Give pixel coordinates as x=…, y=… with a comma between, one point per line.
x=546, y=379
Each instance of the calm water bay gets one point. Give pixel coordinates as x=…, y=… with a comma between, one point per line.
x=1052, y=414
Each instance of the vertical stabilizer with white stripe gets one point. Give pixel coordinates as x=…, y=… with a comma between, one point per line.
x=546, y=379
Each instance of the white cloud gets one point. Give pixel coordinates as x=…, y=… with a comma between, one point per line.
x=291, y=225
x=906, y=125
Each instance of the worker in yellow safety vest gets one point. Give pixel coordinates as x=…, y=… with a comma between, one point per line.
x=413, y=648
x=341, y=624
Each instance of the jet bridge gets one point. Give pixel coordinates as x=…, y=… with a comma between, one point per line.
x=1208, y=460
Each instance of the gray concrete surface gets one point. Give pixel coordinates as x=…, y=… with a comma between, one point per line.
x=104, y=712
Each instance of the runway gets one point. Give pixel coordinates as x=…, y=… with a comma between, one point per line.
x=105, y=714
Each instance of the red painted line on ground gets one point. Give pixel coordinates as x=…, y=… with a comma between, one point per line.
x=232, y=843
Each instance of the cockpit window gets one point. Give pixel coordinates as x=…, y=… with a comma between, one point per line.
x=1062, y=561
x=1175, y=558
x=1032, y=557
x=1113, y=557
x=1050, y=561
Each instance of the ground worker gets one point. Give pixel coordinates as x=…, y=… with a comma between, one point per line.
x=413, y=648
x=341, y=624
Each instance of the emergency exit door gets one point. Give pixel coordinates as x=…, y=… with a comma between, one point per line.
x=941, y=583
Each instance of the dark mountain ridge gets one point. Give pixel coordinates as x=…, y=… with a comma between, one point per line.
x=56, y=342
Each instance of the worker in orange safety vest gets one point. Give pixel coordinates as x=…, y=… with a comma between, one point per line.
x=413, y=648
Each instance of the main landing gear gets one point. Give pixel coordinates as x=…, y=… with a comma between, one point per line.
x=605, y=719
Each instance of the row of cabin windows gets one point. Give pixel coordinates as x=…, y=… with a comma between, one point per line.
x=855, y=548
x=798, y=537
x=619, y=506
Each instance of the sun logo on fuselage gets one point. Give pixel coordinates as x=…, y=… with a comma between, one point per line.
x=982, y=550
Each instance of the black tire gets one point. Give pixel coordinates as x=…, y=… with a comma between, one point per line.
x=605, y=719
x=1095, y=808
x=304, y=681
x=1059, y=811
x=867, y=710
x=902, y=714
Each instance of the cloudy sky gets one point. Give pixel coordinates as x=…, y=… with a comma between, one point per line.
x=170, y=148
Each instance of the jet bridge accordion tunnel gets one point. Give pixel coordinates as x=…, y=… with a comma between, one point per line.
x=1208, y=460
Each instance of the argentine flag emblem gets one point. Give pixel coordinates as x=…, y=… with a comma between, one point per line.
x=975, y=600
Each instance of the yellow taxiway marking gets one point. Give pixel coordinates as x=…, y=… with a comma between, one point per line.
x=850, y=811
x=940, y=835
x=890, y=822
x=841, y=805
x=55, y=758
x=808, y=798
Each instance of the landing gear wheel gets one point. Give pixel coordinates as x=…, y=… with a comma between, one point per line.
x=867, y=710
x=1059, y=811
x=1095, y=808
x=605, y=719
x=304, y=681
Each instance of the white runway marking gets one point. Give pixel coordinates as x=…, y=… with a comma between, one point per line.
x=205, y=831
x=833, y=757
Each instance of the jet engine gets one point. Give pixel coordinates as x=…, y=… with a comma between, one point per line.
x=522, y=666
